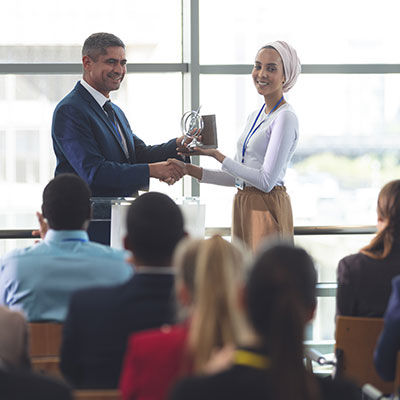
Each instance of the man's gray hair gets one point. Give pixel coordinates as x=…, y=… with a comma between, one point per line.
x=97, y=44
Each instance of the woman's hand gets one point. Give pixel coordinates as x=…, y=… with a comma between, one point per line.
x=220, y=360
x=205, y=152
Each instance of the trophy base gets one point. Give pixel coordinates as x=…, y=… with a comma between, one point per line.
x=194, y=143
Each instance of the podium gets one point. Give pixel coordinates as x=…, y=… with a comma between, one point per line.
x=108, y=223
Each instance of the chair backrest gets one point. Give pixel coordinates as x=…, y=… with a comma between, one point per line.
x=44, y=339
x=44, y=347
x=356, y=338
x=105, y=394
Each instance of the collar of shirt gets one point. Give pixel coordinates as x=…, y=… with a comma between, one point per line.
x=65, y=236
x=155, y=270
x=100, y=98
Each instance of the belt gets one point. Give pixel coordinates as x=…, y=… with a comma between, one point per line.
x=248, y=188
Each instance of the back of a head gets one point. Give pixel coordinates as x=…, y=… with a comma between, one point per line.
x=97, y=43
x=66, y=202
x=218, y=276
x=388, y=210
x=154, y=228
x=280, y=299
x=184, y=261
x=278, y=272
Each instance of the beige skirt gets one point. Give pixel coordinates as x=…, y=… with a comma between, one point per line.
x=257, y=214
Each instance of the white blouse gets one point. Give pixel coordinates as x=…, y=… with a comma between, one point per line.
x=268, y=152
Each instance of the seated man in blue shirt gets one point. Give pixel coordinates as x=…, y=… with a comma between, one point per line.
x=40, y=279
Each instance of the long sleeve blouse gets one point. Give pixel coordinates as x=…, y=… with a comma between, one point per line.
x=267, y=155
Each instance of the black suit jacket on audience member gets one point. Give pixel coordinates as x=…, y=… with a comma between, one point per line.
x=364, y=283
x=242, y=383
x=19, y=385
x=100, y=320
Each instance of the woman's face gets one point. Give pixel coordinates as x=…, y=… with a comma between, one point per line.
x=268, y=74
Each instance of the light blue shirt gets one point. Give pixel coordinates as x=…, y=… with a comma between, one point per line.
x=40, y=279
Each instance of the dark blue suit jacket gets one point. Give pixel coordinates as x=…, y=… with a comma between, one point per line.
x=85, y=143
x=100, y=320
x=389, y=341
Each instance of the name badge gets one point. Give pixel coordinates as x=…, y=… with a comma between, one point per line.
x=239, y=183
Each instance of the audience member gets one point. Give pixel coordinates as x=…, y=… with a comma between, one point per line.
x=40, y=279
x=389, y=341
x=209, y=275
x=23, y=385
x=100, y=320
x=13, y=339
x=280, y=300
x=364, y=279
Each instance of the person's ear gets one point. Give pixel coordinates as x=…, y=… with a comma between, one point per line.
x=310, y=314
x=127, y=245
x=87, y=62
x=183, y=295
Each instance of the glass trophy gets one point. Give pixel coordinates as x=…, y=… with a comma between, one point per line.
x=191, y=125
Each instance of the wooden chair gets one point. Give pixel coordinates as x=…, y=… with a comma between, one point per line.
x=105, y=394
x=44, y=347
x=356, y=338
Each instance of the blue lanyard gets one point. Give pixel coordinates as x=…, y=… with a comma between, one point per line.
x=75, y=240
x=252, y=131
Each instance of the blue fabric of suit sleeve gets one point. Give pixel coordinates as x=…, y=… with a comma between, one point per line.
x=389, y=341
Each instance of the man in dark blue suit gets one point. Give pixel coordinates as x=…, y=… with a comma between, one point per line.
x=92, y=137
x=100, y=320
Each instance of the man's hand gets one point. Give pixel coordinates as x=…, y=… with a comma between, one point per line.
x=168, y=171
x=43, y=226
x=179, y=164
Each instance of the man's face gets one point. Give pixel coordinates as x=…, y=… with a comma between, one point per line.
x=107, y=72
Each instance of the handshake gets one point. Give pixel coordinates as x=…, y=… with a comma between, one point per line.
x=169, y=171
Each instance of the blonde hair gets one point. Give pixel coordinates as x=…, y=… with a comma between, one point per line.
x=388, y=209
x=212, y=270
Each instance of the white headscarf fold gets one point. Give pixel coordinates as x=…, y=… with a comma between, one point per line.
x=291, y=63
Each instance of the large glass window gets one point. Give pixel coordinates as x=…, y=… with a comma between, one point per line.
x=28, y=153
x=2, y=155
x=150, y=29
x=323, y=33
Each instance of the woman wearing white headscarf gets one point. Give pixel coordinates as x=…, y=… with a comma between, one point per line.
x=262, y=206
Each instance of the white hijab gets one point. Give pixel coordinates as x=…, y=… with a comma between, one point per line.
x=291, y=63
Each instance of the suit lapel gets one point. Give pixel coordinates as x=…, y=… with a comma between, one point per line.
x=100, y=112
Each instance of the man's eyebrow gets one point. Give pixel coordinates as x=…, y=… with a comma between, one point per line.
x=116, y=59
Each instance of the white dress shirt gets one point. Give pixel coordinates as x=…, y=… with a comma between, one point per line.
x=268, y=152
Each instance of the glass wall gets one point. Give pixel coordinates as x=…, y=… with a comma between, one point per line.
x=49, y=31
x=340, y=32
x=349, y=122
